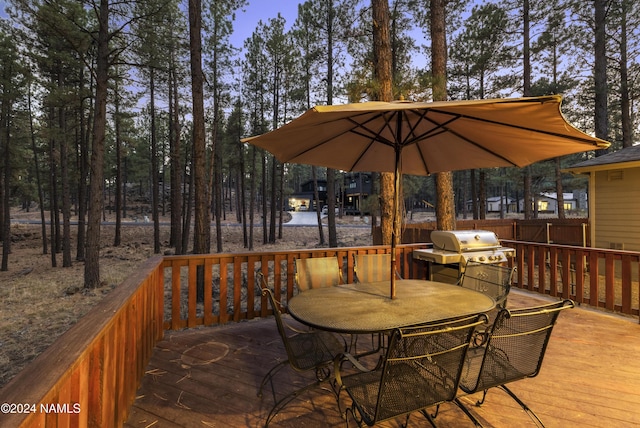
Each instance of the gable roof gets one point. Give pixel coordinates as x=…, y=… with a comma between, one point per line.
x=628, y=157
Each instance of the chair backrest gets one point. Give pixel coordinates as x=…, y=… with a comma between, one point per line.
x=491, y=279
x=277, y=314
x=515, y=348
x=317, y=272
x=423, y=365
x=305, y=350
x=372, y=267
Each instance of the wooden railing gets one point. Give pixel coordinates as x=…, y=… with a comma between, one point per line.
x=229, y=287
x=600, y=278
x=90, y=375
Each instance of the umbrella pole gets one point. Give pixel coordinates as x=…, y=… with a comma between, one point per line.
x=396, y=185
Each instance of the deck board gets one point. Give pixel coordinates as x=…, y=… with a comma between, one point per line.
x=208, y=377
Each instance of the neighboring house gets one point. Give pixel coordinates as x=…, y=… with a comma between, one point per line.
x=548, y=202
x=496, y=204
x=304, y=199
x=614, y=198
x=357, y=188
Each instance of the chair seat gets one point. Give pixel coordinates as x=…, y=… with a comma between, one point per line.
x=313, y=348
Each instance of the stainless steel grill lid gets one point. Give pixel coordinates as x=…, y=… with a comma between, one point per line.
x=461, y=241
x=462, y=246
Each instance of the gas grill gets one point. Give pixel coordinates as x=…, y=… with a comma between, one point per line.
x=453, y=249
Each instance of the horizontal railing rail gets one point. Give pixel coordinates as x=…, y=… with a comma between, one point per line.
x=90, y=375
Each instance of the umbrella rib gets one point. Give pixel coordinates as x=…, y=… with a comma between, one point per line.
x=444, y=128
x=372, y=135
x=509, y=125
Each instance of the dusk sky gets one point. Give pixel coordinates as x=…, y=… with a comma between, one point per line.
x=247, y=21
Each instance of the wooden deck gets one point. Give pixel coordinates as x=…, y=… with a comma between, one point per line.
x=208, y=377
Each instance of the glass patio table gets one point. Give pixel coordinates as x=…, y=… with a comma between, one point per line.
x=367, y=308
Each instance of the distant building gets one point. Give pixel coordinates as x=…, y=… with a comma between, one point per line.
x=494, y=204
x=304, y=200
x=357, y=188
x=548, y=202
x=497, y=203
x=614, y=198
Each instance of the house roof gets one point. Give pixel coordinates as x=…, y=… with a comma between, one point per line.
x=625, y=158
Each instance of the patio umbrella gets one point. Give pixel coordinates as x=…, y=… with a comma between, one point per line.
x=424, y=138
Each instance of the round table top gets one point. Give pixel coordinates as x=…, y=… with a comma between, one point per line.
x=367, y=308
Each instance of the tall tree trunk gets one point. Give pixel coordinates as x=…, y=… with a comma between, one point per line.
x=202, y=225
x=331, y=199
x=117, y=238
x=263, y=190
x=92, y=259
x=5, y=179
x=625, y=102
x=36, y=164
x=252, y=197
x=188, y=197
x=174, y=156
x=383, y=83
x=475, y=198
x=217, y=186
x=274, y=200
x=316, y=196
x=526, y=80
x=331, y=175
x=482, y=195
x=83, y=167
x=66, y=189
x=600, y=73
x=280, y=206
x=155, y=179
x=445, y=205
x=53, y=195
x=559, y=189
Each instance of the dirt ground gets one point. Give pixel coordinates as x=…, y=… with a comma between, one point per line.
x=38, y=303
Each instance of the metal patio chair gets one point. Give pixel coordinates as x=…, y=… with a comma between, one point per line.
x=372, y=267
x=491, y=279
x=317, y=272
x=514, y=350
x=309, y=350
x=421, y=369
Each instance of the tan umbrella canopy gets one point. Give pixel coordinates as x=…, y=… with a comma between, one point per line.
x=425, y=138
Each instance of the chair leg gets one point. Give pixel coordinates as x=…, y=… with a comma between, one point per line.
x=427, y=415
x=282, y=403
x=269, y=377
x=375, y=348
x=466, y=411
x=536, y=420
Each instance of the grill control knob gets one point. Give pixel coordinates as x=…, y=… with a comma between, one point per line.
x=481, y=258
